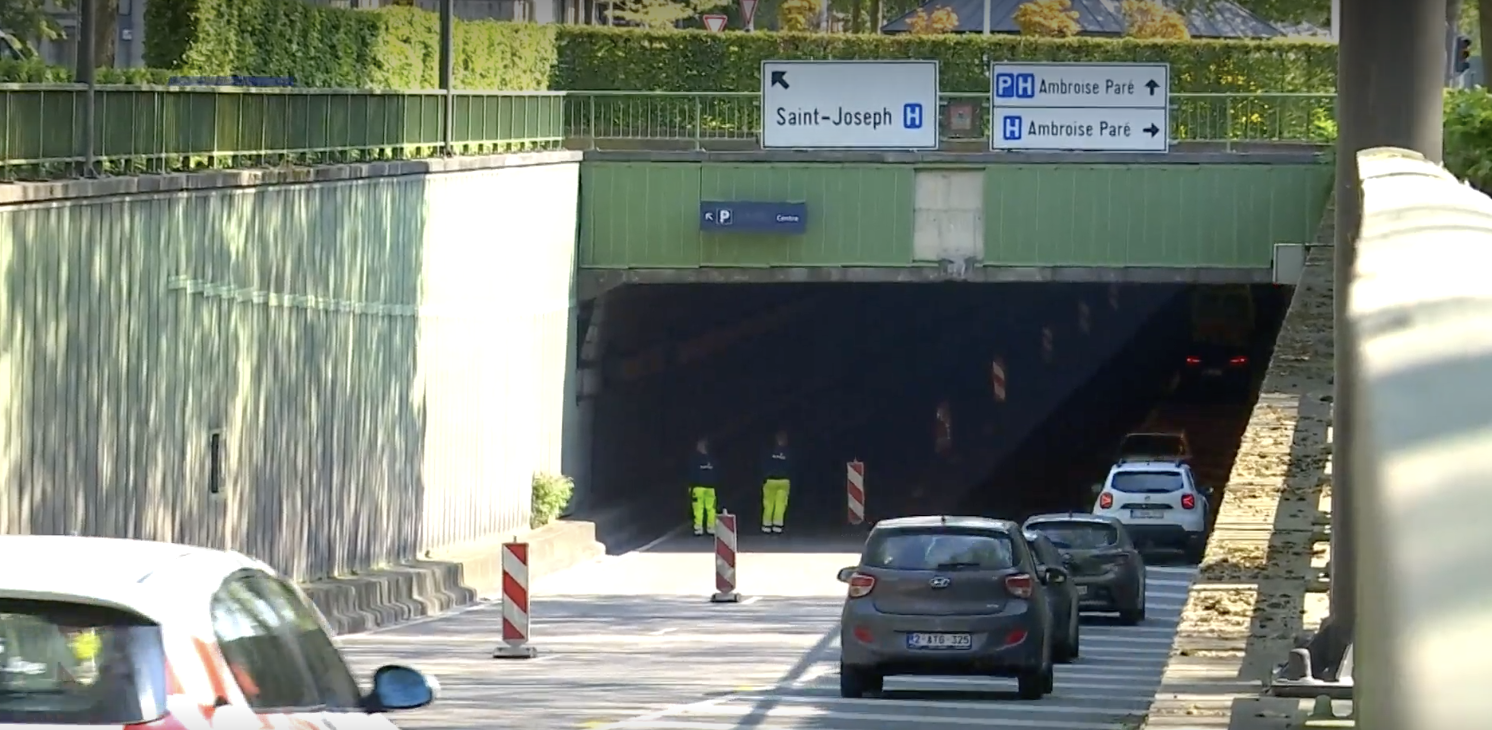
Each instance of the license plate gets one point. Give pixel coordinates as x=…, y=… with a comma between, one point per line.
x=1082, y=590
x=943, y=642
x=1213, y=371
x=1145, y=514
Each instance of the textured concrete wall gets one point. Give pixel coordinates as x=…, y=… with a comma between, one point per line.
x=382, y=355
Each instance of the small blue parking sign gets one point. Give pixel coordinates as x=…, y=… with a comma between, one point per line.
x=1010, y=127
x=1015, y=86
x=911, y=116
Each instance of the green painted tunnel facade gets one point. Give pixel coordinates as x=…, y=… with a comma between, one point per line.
x=645, y=215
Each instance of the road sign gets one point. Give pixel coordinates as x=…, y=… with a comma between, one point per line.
x=1088, y=107
x=748, y=12
x=753, y=217
x=715, y=23
x=863, y=105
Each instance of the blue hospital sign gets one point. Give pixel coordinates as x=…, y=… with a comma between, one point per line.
x=1015, y=85
x=1010, y=127
x=911, y=116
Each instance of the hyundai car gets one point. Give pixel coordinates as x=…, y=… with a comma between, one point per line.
x=946, y=596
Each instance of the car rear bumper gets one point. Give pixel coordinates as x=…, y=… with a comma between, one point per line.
x=1169, y=535
x=992, y=651
x=1109, y=592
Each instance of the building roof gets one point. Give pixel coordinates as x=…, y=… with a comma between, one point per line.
x=1101, y=17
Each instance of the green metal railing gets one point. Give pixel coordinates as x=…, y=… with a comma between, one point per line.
x=158, y=129
x=605, y=118
x=141, y=129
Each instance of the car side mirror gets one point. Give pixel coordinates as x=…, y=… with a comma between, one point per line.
x=398, y=687
x=845, y=574
x=1054, y=576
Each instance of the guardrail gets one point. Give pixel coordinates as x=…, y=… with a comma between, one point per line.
x=1422, y=454
x=144, y=129
x=599, y=119
x=141, y=129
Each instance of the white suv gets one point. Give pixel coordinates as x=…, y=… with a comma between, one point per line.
x=1158, y=502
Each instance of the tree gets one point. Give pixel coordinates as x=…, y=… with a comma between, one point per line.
x=105, y=32
x=28, y=20
x=798, y=16
x=1150, y=19
x=942, y=20
x=661, y=13
x=1048, y=18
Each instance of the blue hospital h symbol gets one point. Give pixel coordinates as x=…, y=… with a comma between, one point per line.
x=911, y=116
x=1015, y=86
x=1010, y=127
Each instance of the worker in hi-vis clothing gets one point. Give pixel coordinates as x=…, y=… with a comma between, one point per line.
x=702, y=488
x=776, y=480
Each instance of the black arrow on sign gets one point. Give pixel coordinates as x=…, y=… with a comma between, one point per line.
x=779, y=78
x=1151, y=130
x=1152, y=86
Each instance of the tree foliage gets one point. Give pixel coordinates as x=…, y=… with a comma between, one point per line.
x=941, y=20
x=661, y=13
x=1048, y=19
x=29, y=21
x=1150, y=19
x=798, y=15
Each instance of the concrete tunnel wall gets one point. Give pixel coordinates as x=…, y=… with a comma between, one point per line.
x=352, y=342
x=850, y=370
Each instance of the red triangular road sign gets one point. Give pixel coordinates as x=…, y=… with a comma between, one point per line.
x=715, y=23
x=748, y=11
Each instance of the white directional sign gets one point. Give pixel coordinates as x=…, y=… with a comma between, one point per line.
x=1085, y=107
x=862, y=105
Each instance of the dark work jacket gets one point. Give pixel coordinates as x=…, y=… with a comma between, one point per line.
x=778, y=464
x=702, y=471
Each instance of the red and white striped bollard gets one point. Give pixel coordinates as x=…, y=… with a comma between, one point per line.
x=1085, y=318
x=997, y=378
x=725, y=559
x=854, y=487
x=515, y=604
x=1048, y=345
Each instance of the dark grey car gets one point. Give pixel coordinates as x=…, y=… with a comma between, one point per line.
x=946, y=596
x=1106, y=568
x=1062, y=594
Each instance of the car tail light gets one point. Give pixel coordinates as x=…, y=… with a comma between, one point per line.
x=863, y=635
x=1016, y=636
x=1194, y=361
x=1105, y=500
x=1188, y=501
x=861, y=585
x=1239, y=361
x=1019, y=585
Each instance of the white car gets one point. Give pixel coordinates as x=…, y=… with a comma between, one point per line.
x=1158, y=502
x=142, y=635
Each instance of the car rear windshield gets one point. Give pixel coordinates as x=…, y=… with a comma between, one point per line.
x=1078, y=535
x=1152, y=445
x=940, y=550
x=1146, y=482
x=76, y=664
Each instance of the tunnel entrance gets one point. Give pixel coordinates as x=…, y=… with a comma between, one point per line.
x=1036, y=380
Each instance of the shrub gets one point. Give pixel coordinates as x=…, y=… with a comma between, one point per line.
x=1150, y=19
x=551, y=494
x=1468, y=136
x=797, y=16
x=942, y=20
x=1047, y=19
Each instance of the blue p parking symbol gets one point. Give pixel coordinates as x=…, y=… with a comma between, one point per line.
x=911, y=116
x=1010, y=127
x=1015, y=86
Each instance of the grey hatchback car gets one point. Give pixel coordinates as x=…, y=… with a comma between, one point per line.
x=1106, y=567
x=946, y=596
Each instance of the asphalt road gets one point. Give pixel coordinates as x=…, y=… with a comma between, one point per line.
x=631, y=642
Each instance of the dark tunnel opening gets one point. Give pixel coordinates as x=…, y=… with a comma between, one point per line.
x=856, y=371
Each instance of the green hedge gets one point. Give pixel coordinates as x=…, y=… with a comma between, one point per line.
x=391, y=48
x=1468, y=136
x=598, y=58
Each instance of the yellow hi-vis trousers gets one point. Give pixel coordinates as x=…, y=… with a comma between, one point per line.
x=774, y=502
x=704, y=508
